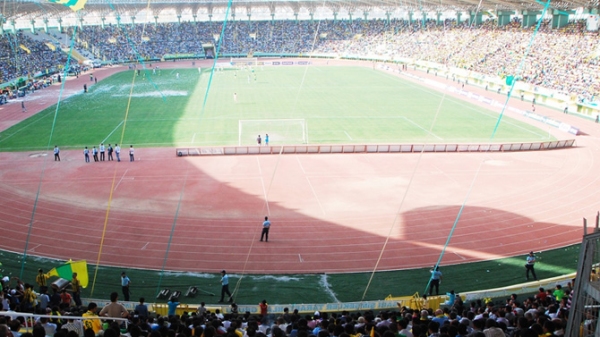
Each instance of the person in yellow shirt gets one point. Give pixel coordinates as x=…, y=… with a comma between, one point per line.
x=76, y=287
x=29, y=298
x=89, y=322
x=41, y=279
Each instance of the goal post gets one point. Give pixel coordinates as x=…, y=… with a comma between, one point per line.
x=280, y=131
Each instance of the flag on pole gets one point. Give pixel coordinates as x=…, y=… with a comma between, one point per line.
x=75, y=5
x=66, y=271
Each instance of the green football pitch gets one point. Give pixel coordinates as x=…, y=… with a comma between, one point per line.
x=188, y=108
x=310, y=288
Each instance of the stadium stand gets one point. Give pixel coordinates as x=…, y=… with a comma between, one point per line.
x=565, y=60
x=23, y=56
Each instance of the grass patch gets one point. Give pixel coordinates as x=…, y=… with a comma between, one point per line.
x=309, y=288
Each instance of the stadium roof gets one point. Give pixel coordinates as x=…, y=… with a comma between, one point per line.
x=25, y=9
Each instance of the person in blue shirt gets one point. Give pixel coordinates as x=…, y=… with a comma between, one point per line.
x=529, y=266
x=125, y=283
x=172, y=304
x=56, y=153
x=265, y=230
x=436, y=278
x=141, y=309
x=451, y=298
x=225, y=287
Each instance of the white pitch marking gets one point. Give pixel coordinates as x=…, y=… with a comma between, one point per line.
x=123, y=177
x=311, y=186
x=300, y=258
x=193, y=138
x=347, y=135
x=115, y=129
x=146, y=245
x=422, y=128
x=32, y=249
x=262, y=181
x=462, y=257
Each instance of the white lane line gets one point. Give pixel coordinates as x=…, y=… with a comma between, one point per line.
x=311, y=186
x=262, y=182
x=462, y=257
x=122, y=177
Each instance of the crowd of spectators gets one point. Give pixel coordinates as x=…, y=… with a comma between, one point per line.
x=542, y=314
x=565, y=59
x=17, y=62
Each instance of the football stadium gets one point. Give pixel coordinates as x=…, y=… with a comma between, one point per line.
x=299, y=168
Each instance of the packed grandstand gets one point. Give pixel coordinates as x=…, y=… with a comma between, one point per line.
x=564, y=59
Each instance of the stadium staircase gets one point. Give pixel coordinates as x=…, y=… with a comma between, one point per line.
x=55, y=39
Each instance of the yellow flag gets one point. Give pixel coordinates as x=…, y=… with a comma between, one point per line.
x=75, y=5
x=22, y=46
x=66, y=271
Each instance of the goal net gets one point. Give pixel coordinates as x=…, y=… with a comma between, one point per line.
x=280, y=131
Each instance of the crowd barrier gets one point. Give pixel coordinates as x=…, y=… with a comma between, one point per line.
x=374, y=148
x=303, y=308
x=389, y=303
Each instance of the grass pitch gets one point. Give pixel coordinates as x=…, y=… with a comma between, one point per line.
x=310, y=288
x=338, y=104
